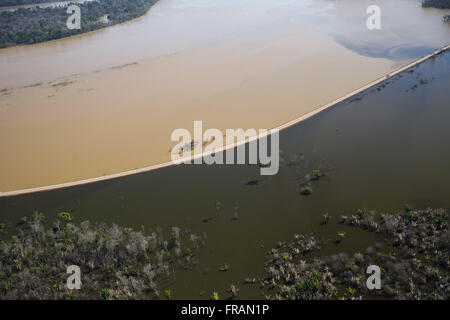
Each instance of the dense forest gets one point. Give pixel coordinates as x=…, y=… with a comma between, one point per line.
x=440, y=4
x=5, y=3
x=116, y=262
x=28, y=26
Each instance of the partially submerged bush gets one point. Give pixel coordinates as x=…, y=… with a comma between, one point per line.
x=65, y=216
x=340, y=236
x=407, y=207
x=326, y=218
x=316, y=173
x=306, y=190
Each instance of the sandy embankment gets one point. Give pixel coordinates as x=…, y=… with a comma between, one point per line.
x=281, y=127
x=121, y=119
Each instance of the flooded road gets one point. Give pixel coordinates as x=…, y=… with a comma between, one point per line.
x=107, y=101
x=386, y=147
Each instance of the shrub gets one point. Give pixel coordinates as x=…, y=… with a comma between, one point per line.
x=360, y=212
x=358, y=256
x=65, y=216
x=340, y=236
x=316, y=173
x=306, y=191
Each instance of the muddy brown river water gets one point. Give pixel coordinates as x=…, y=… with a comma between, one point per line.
x=107, y=101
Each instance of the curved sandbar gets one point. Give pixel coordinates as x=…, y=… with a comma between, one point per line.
x=281, y=127
x=108, y=102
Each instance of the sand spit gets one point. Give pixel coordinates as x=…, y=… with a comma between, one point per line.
x=281, y=127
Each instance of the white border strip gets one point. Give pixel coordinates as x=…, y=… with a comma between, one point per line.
x=281, y=127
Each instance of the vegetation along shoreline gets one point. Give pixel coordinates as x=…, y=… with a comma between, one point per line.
x=36, y=25
x=411, y=250
x=26, y=26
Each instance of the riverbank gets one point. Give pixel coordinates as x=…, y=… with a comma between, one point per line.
x=24, y=26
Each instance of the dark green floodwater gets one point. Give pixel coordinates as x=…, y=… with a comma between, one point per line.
x=388, y=147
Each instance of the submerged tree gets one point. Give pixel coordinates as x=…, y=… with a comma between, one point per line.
x=115, y=262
